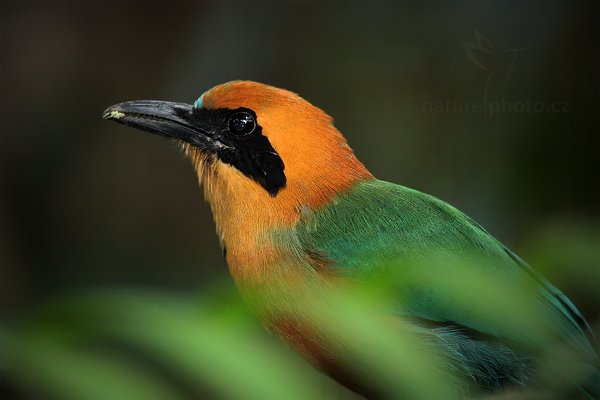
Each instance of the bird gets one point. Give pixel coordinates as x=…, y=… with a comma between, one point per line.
x=296, y=213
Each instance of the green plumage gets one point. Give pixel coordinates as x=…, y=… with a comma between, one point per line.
x=378, y=227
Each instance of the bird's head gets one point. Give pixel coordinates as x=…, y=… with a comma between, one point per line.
x=254, y=145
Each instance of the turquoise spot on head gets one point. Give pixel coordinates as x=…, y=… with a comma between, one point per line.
x=198, y=103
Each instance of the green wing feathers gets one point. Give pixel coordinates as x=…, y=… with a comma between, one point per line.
x=431, y=246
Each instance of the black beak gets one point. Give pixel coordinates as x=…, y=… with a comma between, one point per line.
x=175, y=120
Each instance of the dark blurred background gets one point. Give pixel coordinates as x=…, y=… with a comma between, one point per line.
x=86, y=203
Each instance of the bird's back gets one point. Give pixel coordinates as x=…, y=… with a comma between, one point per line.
x=494, y=324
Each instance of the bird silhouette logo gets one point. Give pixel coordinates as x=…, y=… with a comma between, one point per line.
x=498, y=64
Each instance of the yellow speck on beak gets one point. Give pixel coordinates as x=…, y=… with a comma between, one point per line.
x=116, y=114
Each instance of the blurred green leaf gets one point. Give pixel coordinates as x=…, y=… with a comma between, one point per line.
x=227, y=352
x=48, y=368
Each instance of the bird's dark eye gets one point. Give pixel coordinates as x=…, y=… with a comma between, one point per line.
x=242, y=123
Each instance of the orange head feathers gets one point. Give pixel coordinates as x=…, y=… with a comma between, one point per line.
x=317, y=161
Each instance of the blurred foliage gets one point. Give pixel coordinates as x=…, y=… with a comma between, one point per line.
x=141, y=344
x=568, y=251
x=133, y=344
